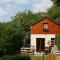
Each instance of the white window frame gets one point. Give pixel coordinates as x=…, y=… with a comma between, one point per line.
x=45, y=26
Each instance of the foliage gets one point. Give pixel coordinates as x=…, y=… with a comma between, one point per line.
x=15, y=57
x=22, y=57
x=16, y=33
x=58, y=41
x=53, y=13
x=9, y=39
x=56, y=2
x=24, y=20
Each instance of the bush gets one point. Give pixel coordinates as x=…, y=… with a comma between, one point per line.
x=15, y=57
x=58, y=41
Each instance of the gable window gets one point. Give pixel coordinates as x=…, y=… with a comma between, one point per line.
x=45, y=26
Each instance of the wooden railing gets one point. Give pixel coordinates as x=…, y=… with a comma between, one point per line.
x=26, y=50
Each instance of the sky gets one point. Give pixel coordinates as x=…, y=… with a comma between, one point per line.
x=9, y=8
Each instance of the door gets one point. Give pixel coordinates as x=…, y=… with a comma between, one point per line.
x=40, y=44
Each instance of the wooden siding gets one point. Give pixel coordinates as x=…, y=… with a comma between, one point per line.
x=53, y=28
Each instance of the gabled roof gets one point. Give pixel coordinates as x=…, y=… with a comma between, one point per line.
x=48, y=19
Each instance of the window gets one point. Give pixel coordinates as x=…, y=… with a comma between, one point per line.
x=45, y=26
x=52, y=42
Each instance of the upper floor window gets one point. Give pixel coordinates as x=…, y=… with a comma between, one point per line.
x=45, y=26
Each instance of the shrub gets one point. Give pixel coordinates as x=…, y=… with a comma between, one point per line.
x=15, y=57
x=58, y=41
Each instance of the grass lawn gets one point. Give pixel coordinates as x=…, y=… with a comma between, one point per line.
x=14, y=57
x=38, y=58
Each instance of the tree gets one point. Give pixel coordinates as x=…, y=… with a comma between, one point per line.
x=10, y=39
x=56, y=2
x=53, y=13
x=24, y=20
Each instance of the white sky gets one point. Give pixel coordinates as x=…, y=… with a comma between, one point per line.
x=9, y=8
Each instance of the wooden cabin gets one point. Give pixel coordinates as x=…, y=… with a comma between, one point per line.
x=43, y=34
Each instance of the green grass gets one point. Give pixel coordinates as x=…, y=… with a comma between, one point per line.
x=20, y=57
x=38, y=58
